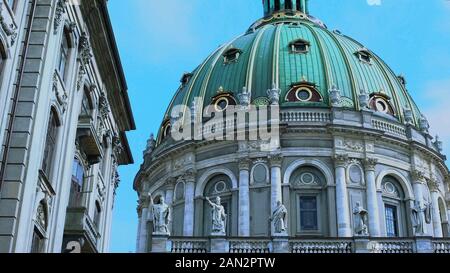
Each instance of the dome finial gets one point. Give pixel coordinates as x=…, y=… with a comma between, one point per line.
x=273, y=6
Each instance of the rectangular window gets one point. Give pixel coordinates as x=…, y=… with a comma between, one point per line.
x=77, y=184
x=50, y=144
x=63, y=57
x=391, y=221
x=308, y=213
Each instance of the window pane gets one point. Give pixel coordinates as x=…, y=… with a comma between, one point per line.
x=308, y=213
x=50, y=144
x=391, y=221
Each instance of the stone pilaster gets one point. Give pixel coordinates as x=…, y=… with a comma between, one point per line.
x=433, y=185
x=342, y=204
x=244, y=198
x=372, y=198
x=275, y=178
x=143, y=210
x=189, y=179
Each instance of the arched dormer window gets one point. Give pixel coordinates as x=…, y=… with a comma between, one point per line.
x=364, y=56
x=380, y=102
x=222, y=100
x=231, y=55
x=166, y=129
x=299, y=46
x=303, y=92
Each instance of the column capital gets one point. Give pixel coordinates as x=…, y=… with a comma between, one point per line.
x=189, y=176
x=276, y=159
x=418, y=176
x=433, y=185
x=170, y=183
x=244, y=163
x=341, y=160
x=370, y=163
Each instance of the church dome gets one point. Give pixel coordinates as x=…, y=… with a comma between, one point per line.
x=296, y=53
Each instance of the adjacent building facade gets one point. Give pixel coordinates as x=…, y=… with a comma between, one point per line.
x=354, y=168
x=64, y=113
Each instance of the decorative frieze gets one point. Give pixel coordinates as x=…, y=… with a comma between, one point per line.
x=85, y=56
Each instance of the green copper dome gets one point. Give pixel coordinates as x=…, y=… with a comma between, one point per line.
x=293, y=52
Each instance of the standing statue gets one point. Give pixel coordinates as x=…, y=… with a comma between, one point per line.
x=218, y=217
x=279, y=218
x=421, y=215
x=361, y=220
x=161, y=216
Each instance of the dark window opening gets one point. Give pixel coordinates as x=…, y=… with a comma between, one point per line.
x=277, y=5
x=288, y=4
x=37, y=242
x=298, y=5
x=97, y=214
x=308, y=213
x=64, y=56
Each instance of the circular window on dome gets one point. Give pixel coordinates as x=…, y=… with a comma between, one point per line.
x=304, y=94
x=381, y=106
x=221, y=104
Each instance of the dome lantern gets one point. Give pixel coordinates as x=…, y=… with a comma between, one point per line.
x=273, y=6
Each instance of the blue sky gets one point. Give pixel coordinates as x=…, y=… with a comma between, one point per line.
x=160, y=39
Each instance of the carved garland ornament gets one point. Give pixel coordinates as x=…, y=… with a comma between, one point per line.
x=9, y=29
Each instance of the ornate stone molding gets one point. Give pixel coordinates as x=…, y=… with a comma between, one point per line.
x=433, y=185
x=9, y=29
x=103, y=106
x=85, y=56
x=370, y=163
x=276, y=160
x=190, y=175
x=61, y=95
x=244, y=164
x=61, y=6
x=418, y=176
x=341, y=160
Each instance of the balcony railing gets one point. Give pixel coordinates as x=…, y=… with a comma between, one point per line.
x=321, y=246
x=189, y=246
x=249, y=246
x=393, y=246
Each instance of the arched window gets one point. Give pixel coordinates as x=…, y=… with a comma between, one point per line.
x=218, y=186
x=50, y=143
x=76, y=189
x=310, y=212
x=394, y=207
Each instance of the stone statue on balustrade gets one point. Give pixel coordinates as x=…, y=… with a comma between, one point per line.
x=361, y=216
x=421, y=215
x=218, y=217
x=161, y=217
x=279, y=219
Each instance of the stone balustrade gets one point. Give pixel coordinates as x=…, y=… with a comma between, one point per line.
x=299, y=115
x=389, y=128
x=307, y=246
x=249, y=246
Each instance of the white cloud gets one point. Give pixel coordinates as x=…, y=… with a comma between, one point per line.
x=374, y=2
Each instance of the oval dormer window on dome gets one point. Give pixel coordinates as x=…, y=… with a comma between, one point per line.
x=380, y=102
x=231, y=55
x=222, y=101
x=364, y=56
x=303, y=92
x=166, y=129
x=299, y=46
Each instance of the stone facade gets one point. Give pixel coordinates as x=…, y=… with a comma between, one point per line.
x=64, y=112
x=356, y=173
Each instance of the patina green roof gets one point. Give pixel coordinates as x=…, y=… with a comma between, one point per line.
x=266, y=59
